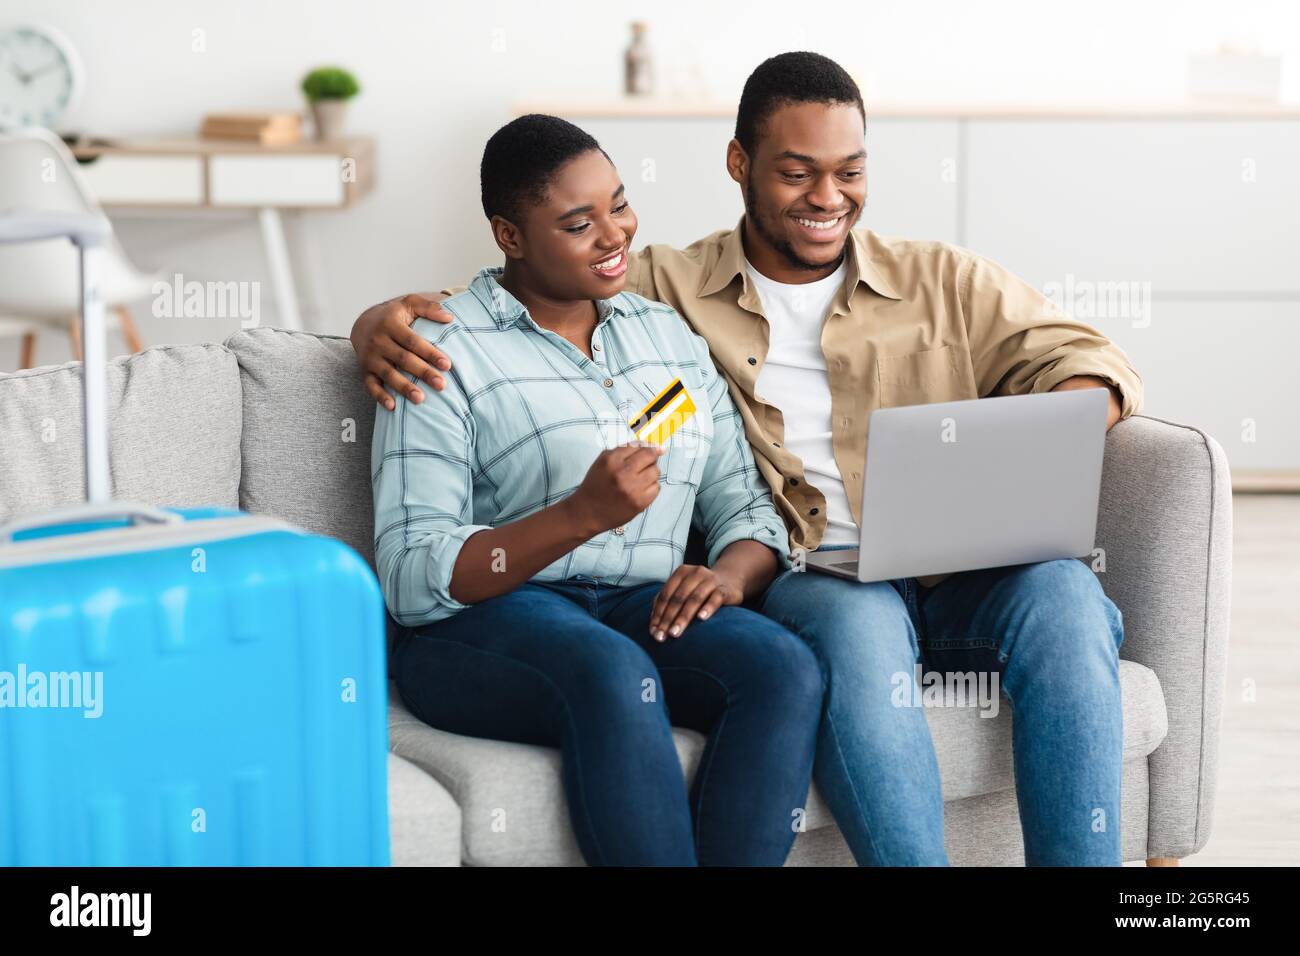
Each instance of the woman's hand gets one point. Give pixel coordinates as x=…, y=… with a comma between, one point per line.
x=620, y=484
x=693, y=592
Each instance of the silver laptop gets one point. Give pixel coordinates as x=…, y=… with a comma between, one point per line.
x=957, y=486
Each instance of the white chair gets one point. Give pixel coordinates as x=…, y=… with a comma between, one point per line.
x=38, y=281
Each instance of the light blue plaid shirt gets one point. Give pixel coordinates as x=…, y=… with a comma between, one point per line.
x=522, y=418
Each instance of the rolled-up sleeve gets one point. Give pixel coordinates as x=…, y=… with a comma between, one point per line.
x=1022, y=342
x=422, y=466
x=733, y=502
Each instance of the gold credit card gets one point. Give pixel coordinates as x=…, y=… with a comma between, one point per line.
x=666, y=413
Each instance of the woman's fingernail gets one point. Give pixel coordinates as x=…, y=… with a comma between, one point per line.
x=659, y=636
x=703, y=614
x=677, y=629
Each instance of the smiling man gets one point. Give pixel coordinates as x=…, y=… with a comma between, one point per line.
x=816, y=323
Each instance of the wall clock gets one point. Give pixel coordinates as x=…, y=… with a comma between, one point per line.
x=40, y=75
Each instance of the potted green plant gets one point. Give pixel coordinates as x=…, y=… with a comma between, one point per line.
x=328, y=90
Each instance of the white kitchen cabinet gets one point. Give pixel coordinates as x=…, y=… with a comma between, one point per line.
x=1191, y=206
x=1229, y=368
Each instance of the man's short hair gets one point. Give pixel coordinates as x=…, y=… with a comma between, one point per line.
x=521, y=160
x=791, y=78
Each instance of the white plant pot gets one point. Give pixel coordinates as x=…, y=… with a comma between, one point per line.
x=329, y=116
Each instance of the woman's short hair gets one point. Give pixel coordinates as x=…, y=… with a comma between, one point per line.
x=521, y=160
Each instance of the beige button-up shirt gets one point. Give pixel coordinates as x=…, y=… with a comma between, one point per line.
x=914, y=322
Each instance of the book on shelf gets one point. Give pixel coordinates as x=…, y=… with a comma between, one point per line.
x=269, y=129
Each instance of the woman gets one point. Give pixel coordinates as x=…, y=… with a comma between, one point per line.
x=530, y=529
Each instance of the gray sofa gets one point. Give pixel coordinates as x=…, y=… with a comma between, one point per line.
x=275, y=422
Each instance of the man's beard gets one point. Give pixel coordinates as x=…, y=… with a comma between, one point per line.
x=783, y=246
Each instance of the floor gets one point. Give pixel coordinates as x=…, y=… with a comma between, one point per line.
x=1257, y=814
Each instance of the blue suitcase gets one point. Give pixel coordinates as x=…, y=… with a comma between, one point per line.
x=186, y=687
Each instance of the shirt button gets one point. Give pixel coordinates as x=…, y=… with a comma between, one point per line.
x=595, y=346
x=794, y=481
x=752, y=360
x=814, y=511
x=619, y=530
x=608, y=383
x=845, y=421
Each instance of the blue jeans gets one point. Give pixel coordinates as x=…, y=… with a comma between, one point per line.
x=573, y=666
x=1052, y=637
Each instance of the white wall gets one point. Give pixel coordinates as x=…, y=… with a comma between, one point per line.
x=439, y=77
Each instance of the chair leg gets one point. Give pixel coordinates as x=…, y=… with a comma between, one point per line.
x=74, y=338
x=28, y=358
x=129, y=331
x=1162, y=861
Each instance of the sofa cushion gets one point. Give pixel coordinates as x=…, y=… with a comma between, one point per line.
x=423, y=819
x=512, y=802
x=174, y=416
x=306, y=439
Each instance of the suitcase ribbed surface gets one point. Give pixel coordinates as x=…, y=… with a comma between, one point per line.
x=241, y=698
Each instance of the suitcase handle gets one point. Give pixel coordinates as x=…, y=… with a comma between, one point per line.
x=137, y=513
x=89, y=232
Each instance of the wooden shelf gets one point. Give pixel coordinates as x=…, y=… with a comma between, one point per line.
x=219, y=173
x=1263, y=481
x=92, y=148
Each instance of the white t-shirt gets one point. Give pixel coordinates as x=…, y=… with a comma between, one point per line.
x=793, y=378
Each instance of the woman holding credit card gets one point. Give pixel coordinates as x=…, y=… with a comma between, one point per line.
x=530, y=529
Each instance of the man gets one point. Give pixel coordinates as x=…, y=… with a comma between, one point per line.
x=815, y=324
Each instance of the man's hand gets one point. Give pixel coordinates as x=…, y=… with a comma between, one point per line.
x=1091, y=381
x=693, y=591
x=620, y=484
x=386, y=347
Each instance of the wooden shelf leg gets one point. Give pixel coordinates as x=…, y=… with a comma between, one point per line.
x=129, y=331
x=74, y=337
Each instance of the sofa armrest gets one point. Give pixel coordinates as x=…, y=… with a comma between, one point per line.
x=1165, y=525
